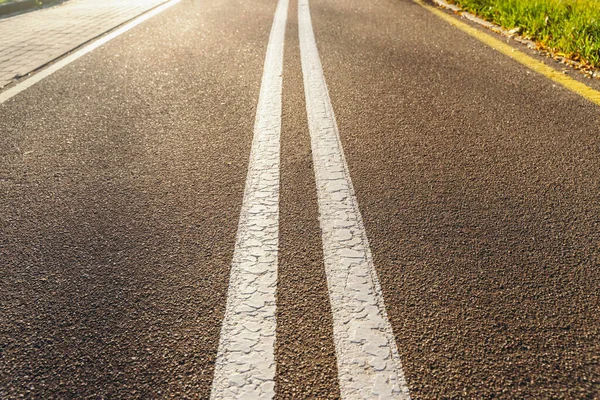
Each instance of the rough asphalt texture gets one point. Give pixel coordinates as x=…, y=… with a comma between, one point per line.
x=478, y=183
x=306, y=364
x=120, y=198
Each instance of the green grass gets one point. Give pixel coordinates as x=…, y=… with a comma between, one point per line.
x=571, y=27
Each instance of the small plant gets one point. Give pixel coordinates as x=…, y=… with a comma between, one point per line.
x=569, y=27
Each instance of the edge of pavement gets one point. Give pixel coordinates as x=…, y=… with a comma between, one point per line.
x=5, y=92
x=587, y=90
x=20, y=6
x=513, y=34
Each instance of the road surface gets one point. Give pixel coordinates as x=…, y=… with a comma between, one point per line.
x=349, y=199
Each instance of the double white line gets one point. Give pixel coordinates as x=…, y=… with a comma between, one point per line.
x=367, y=358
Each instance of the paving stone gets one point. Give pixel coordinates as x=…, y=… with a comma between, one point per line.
x=33, y=39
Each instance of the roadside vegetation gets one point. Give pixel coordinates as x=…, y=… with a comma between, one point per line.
x=569, y=28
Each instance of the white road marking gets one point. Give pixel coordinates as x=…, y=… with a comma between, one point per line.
x=245, y=366
x=367, y=357
x=19, y=87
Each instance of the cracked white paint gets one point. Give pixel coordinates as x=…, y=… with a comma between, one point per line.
x=245, y=365
x=367, y=357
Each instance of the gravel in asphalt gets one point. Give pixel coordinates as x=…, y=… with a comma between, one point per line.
x=121, y=182
x=478, y=183
x=305, y=353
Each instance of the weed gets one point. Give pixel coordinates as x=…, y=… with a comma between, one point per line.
x=571, y=27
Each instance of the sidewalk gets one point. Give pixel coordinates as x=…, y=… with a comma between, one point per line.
x=30, y=40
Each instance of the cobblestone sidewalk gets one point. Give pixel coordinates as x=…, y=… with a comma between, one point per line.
x=30, y=40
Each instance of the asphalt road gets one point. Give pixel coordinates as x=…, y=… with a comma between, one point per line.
x=122, y=178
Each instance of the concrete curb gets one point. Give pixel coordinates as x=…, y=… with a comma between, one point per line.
x=24, y=5
x=489, y=25
x=513, y=34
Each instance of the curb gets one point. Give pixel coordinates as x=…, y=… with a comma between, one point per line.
x=23, y=5
x=513, y=34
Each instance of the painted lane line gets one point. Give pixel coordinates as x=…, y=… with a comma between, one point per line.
x=19, y=87
x=556, y=76
x=245, y=366
x=367, y=357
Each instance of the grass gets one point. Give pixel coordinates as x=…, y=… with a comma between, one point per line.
x=570, y=27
